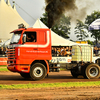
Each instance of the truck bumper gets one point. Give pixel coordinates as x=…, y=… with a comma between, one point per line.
x=19, y=68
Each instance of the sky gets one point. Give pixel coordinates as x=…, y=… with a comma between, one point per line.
x=31, y=10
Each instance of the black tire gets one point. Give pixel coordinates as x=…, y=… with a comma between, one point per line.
x=83, y=70
x=25, y=75
x=74, y=73
x=92, y=71
x=37, y=71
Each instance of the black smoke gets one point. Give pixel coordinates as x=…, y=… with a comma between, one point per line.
x=55, y=8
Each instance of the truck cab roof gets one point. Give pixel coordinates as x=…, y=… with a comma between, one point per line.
x=29, y=29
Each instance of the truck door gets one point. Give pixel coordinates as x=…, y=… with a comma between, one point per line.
x=30, y=47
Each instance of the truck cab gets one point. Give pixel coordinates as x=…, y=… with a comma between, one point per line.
x=29, y=55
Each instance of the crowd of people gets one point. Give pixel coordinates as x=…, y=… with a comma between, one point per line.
x=67, y=51
x=61, y=51
x=3, y=51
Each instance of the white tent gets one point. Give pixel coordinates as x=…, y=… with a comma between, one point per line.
x=56, y=39
x=1, y=43
x=5, y=43
x=9, y=20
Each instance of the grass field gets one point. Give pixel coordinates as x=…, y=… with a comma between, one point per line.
x=3, y=68
x=68, y=84
x=3, y=65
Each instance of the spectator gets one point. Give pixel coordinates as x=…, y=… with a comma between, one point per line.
x=68, y=52
x=98, y=51
x=95, y=51
x=2, y=51
x=55, y=52
x=58, y=50
x=62, y=51
x=67, y=48
x=5, y=51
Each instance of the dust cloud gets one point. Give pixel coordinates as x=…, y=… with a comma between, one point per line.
x=55, y=8
x=76, y=9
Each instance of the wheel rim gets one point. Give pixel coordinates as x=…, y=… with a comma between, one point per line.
x=38, y=72
x=93, y=71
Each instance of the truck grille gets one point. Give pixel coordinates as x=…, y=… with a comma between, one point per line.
x=11, y=56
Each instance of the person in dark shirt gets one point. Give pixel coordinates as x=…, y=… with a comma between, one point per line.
x=53, y=51
x=95, y=51
x=33, y=39
x=2, y=51
x=30, y=38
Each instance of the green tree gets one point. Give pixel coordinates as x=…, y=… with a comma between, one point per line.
x=44, y=19
x=89, y=19
x=90, y=42
x=80, y=31
x=61, y=27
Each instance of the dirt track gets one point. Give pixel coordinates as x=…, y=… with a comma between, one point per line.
x=64, y=93
x=85, y=93
x=62, y=76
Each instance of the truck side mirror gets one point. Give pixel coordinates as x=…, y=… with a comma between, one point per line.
x=24, y=38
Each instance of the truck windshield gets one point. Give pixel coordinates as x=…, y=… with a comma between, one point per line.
x=15, y=38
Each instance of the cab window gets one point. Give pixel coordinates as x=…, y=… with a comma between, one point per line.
x=31, y=37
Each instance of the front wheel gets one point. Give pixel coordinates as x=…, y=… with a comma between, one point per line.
x=92, y=71
x=38, y=71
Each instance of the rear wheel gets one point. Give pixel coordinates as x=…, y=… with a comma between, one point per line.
x=74, y=73
x=38, y=71
x=92, y=71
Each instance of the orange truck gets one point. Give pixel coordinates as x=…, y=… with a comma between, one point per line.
x=29, y=54
x=30, y=59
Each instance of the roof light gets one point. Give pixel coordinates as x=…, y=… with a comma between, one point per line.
x=21, y=26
